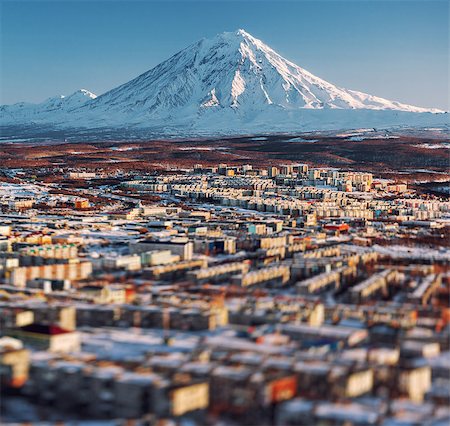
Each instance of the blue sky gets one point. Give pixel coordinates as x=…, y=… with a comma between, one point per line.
x=396, y=49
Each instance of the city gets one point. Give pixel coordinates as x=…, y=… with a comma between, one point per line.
x=224, y=213
x=284, y=294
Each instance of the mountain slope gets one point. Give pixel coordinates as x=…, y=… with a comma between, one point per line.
x=232, y=83
x=51, y=110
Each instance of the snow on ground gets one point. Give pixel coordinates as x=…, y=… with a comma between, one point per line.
x=302, y=140
x=22, y=190
x=361, y=138
x=125, y=148
x=196, y=148
x=444, y=145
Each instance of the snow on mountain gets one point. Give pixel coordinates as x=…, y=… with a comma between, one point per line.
x=232, y=83
x=51, y=110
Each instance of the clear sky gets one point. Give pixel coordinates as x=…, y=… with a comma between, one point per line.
x=396, y=49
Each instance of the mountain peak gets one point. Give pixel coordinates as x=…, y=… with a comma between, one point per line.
x=239, y=33
x=235, y=38
x=246, y=36
x=242, y=32
x=82, y=94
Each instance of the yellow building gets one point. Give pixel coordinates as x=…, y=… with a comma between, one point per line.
x=14, y=362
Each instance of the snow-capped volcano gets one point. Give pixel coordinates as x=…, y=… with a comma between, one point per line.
x=232, y=83
x=234, y=70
